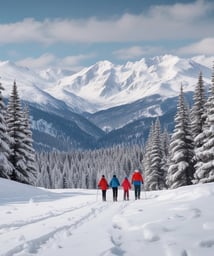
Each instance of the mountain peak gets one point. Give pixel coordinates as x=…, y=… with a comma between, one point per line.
x=105, y=84
x=104, y=63
x=112, y=85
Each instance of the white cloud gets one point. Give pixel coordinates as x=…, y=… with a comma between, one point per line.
x=205, y=46
x=160, y=22
x=180, y=11
x=50, y=60
x=136, y=52
x=74, y=60
x=35, y=63
x=27, y=30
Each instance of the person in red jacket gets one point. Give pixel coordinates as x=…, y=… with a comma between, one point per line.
x=137, y=180
x=103, y=185
x=126, y=186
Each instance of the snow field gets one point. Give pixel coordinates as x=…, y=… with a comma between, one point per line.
x=43, y=222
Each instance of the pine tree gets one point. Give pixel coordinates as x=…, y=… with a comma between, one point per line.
x=43, y=176
x=6, y=167
x=205, y=154
x=198, y=116
x=15, y=123
x=181, y=170
x=28, y=146
x=155, y=180
x=146, y=162
x=165, y=141
x=198, y=109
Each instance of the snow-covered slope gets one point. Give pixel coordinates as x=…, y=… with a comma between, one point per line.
x=30, y=85
x=109, y=96
x=35, y=221
x=34, y=87
x=109, y=85
x=104, y=85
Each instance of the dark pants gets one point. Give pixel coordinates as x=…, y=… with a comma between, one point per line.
x=115, y=192
x=137, y=189
x=126, y=195
x=104, y=195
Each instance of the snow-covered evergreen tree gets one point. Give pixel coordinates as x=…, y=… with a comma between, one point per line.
x=28, y=146
x=165, y=142
x=16, y=129
x=6, y=167
x=155, y=158
x=198, y=110
x=43, y=176
x=146, y=162
x=181, y=152
x=205, y=154
x=155, y=179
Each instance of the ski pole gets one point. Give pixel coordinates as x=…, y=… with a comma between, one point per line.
x=145, y=194
x=97, y=194
x=144, y=191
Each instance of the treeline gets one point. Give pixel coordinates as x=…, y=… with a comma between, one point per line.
x=83, y=169
x=17, y=156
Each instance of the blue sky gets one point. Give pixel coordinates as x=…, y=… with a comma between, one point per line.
x=73, y=34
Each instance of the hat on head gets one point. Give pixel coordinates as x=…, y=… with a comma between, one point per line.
x=103, y=175
x=136, y=171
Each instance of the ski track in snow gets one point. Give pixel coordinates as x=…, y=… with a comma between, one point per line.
x=70, y=222
x=37, y=219
x=109, y=209
x=76, y=224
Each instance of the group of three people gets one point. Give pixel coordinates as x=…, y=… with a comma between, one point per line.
x=136, y=180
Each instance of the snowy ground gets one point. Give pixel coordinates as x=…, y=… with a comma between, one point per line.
x=76, y=222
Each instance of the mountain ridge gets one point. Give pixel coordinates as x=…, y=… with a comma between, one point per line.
x=114, y=85
x=104, y=84
x=104, y=103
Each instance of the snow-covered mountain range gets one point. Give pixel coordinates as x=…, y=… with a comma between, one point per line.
x=127, y=93
x=104, y=85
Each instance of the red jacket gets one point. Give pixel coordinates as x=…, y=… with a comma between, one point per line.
x=126, y=184
x=103, y=184
x=137, y=178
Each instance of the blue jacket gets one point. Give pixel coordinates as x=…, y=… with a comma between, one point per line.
x=114, y=183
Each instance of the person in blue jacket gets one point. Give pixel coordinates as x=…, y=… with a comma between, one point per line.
x=114, y=184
